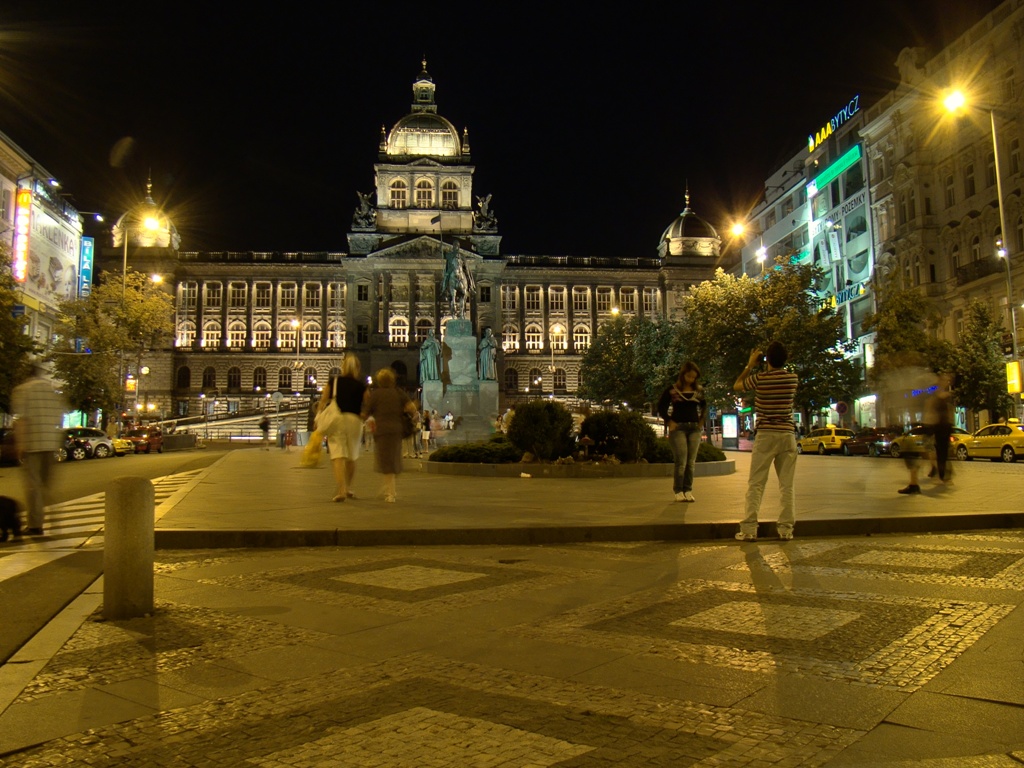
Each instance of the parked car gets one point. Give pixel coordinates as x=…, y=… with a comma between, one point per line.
x=95, y=441
x=998, y=442
x=863, y=442
x=8, y=452
x=122, y=446
x=73, y=449
x=824, y=440
x=918, y=439
x=146, y=439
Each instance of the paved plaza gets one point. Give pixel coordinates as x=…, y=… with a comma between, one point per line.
x=889, y=649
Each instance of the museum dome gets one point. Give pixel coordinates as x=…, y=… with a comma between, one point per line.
x=423, y=132
x=146, y=226
x=689, y=235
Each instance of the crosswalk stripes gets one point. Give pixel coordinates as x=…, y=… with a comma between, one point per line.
x=74, y=525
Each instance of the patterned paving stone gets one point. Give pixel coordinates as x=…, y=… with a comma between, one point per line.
x=422, y=710
x=407, y=586
x=883, y=641
x=975, y=566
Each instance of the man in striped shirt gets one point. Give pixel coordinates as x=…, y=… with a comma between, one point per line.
x=774, y=389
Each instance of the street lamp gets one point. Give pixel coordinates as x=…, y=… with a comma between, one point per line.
x=955, y=101
x=739, y=229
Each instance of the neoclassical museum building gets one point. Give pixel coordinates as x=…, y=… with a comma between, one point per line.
x=249, y=324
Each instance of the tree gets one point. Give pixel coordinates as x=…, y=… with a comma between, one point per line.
x=16, y=347
x=725, y=318
x=979, y=365
x=98, y=335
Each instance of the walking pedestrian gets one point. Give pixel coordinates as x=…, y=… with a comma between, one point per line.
x=265, y=429
x=37, y=434
x=940, y=415
x=774, y=389
x=345, y=439
x=386, y=403
x=683, y=407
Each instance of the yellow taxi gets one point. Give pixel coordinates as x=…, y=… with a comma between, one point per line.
x=998, y=442
x=827, y=439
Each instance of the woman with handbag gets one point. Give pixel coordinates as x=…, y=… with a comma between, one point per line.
x=339, y=418
x=388, y=406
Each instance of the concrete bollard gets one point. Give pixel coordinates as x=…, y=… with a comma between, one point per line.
x=128, y=535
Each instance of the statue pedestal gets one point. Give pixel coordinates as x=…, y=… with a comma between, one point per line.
x=459, y=355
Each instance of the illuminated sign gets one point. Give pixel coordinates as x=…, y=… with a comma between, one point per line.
x=844, y=114
x=830, y=174
x=1013, y=377
x=85, y=266
x=22, y=226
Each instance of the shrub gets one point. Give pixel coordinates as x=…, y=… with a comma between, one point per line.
x=543, y=428
x=662, y=452
x=709, y=452
x=623, y=434
x=494, y=451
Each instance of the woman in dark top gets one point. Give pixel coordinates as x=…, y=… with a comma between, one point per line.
x=683, y=407
x=386, y=403
x=345, y=439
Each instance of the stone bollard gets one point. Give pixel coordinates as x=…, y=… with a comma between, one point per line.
x=128, y=549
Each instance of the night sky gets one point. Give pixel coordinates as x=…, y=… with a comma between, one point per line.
x=585, y=124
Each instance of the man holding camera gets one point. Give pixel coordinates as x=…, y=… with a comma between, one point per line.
x=774, y=389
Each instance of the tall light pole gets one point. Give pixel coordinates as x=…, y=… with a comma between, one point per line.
x=152, y=224
x=739, y=229
x=955, y=101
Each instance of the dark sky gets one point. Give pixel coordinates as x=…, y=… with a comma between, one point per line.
x=585, y=124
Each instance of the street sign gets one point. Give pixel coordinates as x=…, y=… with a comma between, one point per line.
x=842, y=408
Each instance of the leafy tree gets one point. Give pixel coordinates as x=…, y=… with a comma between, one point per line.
x=97, y=335
x=16, y=347
x=979, y=365
x=725, y=318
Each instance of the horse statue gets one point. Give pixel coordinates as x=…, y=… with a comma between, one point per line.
x=458, y=283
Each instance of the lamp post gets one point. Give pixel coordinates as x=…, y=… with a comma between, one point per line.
x=739, y=229
x=152, y=224
x=955, y=101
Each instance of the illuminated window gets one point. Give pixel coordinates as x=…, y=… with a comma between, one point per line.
x=186, y=335
x=213, y=293
x=399, y=194
x=581, y=338
x=510, y=338
x=423, y=327
x=558, y=338
x=336, y=336
x=284, y=379
x=509, y=297
x=236, y=335
x=424, y=194
x=336, y=295
x=650, y=301
x=262, y=298
x=288, y=292
x=189, y=292
x=556, y=299
x=580, y=300
x=286, y=337
x=450, y=195
x=628, y=300
x=259, y=378
x=534, y=338
x=261, y=336
x=604, y=299
x=311, y=337
x=532, y=298
x=211, y=335
x=237, y=296
x=398, y=332
x=311, y=295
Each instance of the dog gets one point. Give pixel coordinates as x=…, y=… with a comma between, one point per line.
x=10, y=518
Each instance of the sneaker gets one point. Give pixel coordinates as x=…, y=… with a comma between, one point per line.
x=746, y=536
x=688, y=496
x=910, y=489
x=785, y=535
x=680, y=496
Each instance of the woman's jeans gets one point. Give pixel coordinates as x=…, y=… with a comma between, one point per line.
x=684, y=441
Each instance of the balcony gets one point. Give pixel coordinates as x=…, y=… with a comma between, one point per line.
x=976, y=270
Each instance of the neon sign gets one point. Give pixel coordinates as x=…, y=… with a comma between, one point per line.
x=844, y=114
x=22, y=227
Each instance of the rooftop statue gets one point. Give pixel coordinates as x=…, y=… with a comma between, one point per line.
x=366, y=214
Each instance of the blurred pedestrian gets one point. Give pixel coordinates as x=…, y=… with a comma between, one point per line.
x=774, y=389
x=37, y=434
x=385, y=404
x=939, y=414
x=683, y=407
x=345, y=438
x=265, y=429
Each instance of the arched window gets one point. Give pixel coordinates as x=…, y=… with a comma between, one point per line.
x=954, y=259
x=234, y=379
x=261, y=335
x=336, y=335
x=558, y=337
x=311, y=336
x=286, y=335
x=534, y=337
x=423, y=328
x=236, y=335
x=399, y=194
x=284, y=379
x=424, y=194
x=210, y=378
x=511, y=380
x=309, y=380
x=450, y=195
x=510, y=338
x=536, y=381
x=581, y=338
x=211, y=334
x=184, y=378
x=186, y=335
x=259, y=379
x=398, y=332
x=559, y=381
